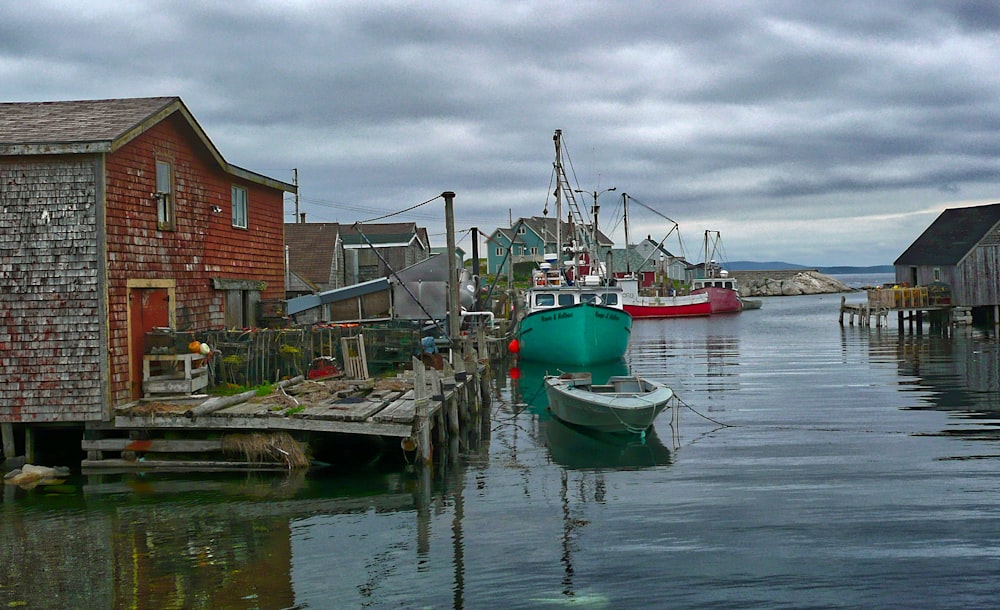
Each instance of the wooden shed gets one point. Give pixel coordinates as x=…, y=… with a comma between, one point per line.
x=959, y=250
x=119, y=216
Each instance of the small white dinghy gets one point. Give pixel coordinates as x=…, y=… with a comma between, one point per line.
x=626, y=403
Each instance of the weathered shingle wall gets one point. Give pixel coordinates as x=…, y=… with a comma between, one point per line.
x=50, y=311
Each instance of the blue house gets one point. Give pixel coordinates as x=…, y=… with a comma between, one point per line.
x=529, y=240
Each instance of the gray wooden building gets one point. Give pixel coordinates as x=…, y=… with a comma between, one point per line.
x=961, y=250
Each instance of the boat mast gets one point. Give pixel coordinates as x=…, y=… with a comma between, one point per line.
x=558, y=166
x=628, y=258
x=706, y=255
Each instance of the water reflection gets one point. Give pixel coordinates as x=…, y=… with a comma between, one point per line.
x=214, y=541
x=528, y=380
x=578, y=448
x=958, y=374
x=703, y=348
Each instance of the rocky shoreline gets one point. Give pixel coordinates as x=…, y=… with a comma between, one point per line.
x=788, y=283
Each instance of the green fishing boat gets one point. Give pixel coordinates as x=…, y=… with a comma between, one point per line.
x=588, y=327
x=573, y=313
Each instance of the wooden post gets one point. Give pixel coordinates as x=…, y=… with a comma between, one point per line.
x=29, y=445
x=7, y=430
x=422, y=410
x=454, y=312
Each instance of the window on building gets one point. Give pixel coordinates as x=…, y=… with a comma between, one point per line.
x=164, y=196
x=534, y=251
x=937, y=274
x=521, y=230
x=239, y=207
x=499, y=251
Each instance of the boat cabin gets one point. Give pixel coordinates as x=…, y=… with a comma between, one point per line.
x=717, y=282
x=567, y=296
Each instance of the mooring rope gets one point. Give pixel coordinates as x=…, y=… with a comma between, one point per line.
x=693, y=410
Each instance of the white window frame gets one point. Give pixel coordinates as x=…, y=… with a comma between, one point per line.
x=239, y=201
x=164, y=195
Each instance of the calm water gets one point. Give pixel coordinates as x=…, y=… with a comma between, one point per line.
x=813, y=466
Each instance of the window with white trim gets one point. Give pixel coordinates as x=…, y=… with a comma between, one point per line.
x=239, y=207
x=164, y=196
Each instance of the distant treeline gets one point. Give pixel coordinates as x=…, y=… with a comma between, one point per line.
x=779, y=266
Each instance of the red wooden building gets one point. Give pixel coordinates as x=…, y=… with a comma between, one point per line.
x=119, y=216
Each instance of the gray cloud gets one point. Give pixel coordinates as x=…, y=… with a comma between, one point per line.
x=819, y=133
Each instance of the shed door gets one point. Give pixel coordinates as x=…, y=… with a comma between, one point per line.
x=148, y=308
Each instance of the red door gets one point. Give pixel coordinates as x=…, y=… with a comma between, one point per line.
x=149, y=308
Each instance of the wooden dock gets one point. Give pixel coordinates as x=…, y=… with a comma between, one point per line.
x=421, y=408
x=909, y=304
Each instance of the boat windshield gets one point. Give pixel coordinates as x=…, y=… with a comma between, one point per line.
x=565, y=299
x=605, y=298
x=545, y=299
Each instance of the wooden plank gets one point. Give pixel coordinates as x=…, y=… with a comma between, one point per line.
x=244, y=409
x=177, y=465
x=167, y=422
x=400, y=411
x=152, y=446
x=273, y=422
x=342, y=427
x=343, y=409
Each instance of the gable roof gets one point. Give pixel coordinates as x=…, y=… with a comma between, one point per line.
x=633, y=259
x=386, y=234
x=311, y=248
x=100, y=126
x=545, y=227
x=951, y=236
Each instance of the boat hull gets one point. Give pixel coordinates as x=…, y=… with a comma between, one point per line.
x=723, y=300
x=669, y=307
x=578, y=334
x=630, y=408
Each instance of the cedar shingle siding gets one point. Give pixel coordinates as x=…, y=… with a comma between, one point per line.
x=51, y=313
x=82, y=245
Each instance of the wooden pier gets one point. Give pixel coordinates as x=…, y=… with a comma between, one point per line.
x=909, y=304
x=421, y=408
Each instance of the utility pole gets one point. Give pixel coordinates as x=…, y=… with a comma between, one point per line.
x=454, y=314
x=475, y=263
x=295, y=181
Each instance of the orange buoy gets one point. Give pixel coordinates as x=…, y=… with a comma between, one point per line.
x=514, y=346
x=514, y=373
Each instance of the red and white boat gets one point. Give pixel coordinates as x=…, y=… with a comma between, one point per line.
x=715, y=281
x=677, y=306
x=720, y=291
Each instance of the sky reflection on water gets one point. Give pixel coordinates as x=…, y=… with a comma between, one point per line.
x=856, y=468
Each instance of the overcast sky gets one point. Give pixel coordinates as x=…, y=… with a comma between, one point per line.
x=817, y=133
